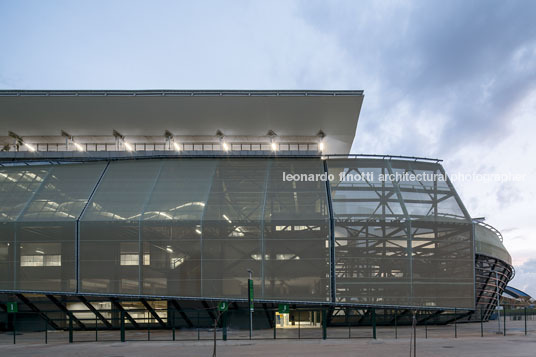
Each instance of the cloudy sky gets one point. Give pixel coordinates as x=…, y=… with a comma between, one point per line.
x=449, y=79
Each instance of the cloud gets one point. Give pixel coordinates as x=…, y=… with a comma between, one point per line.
x=467, y=62
x=508, y=194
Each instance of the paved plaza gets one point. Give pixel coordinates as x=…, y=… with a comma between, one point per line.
x=450, y=340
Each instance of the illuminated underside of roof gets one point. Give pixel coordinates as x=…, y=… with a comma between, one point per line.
x=192, y=116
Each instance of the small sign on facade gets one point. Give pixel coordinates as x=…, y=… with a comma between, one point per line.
x=12, y=307
x=223, y=306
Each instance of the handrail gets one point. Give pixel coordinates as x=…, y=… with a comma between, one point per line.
x=70, y=156
x=490, y=227
x=384, y=156
x=479, y=222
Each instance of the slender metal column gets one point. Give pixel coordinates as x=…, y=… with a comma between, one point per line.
x=250, y=303
x=333, y=281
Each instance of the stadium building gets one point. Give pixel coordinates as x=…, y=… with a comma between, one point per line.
x=150, y=207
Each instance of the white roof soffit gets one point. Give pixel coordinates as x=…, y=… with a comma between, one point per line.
x=191, y=113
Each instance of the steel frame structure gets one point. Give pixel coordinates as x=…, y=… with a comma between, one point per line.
x=376, y=233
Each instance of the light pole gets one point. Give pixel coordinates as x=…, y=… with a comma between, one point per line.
x=250, y=302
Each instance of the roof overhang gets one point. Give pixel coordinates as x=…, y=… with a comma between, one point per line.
x=192, y=113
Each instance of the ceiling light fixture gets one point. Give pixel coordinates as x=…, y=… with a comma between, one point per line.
x=78, y=146
x=224, y=145
x=272, y=136
x=121, y=138
x=70, y=138
x=20, y=141
x=29, y=147
x=321, y=136
x=170, y=138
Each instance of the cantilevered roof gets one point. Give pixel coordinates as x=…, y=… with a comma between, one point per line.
x=184, y=112
x=516, y=293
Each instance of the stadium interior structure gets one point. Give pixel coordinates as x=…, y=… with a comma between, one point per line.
x=154, y=205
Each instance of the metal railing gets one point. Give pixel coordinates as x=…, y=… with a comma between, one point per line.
x=163, y=146
x=302, y=323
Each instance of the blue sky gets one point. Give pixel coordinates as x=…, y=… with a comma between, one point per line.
x=448, y=79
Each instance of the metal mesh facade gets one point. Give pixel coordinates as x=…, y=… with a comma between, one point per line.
x=401, y=242
x=40, y=207
x=192, y=227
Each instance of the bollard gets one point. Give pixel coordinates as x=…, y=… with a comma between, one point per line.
x=122, y=326
x=275, y=324
x=46, y=332
x=348, y=323
x=481, y=323
x=96, y=329
x=173, y=324
x=414, y=333
x=14, y=328
x=396, y=327
x=504, y=322
x=224, y=326
x=455, y=324
x=525, y=321
x=324, y=324
x=70, y=329
x=374, y=323
x=299, y=323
